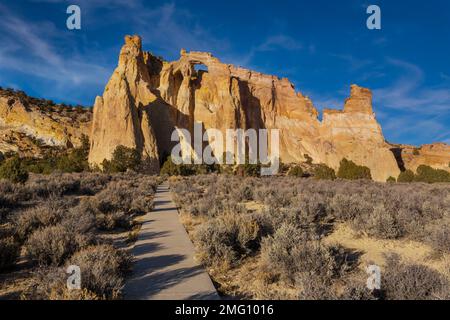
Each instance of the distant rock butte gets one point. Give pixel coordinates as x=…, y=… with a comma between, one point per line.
x=147, y=97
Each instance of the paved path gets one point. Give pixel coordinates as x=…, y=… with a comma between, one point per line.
x=164, y=268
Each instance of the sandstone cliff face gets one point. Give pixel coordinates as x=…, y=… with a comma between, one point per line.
x=121, y=116
x=25, y=126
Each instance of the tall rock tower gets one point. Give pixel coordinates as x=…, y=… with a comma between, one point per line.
x=121, y=115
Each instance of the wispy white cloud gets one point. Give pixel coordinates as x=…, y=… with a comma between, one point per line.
x=408, y=94
x=33, y=49
x=414, y=110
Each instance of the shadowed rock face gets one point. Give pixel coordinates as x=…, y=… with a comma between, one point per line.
x=146, y=98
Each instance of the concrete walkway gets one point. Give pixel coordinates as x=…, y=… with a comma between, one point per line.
x=164, y=268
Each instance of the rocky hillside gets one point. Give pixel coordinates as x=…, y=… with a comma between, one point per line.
x=29, y=125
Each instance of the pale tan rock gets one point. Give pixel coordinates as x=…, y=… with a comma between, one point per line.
x=121, y=115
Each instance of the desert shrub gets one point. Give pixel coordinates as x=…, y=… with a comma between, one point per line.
x=391, y=180
x=356, y=289
x=380, y=224
x=9, y=252
x=403, y=281
x=80, y=219
x=48, y=214
x=438, y=236
x=323, y=172
x=12, y=170
x=123, y=158
x=351, y=171
x=224, y=240
x=49, y=283
x=53, y=245
x=406, y=176
x=288, y=254
x=348, y=207
x=55, y=185
x=314, y=287
x=296, y=171
x=430, y=175
x=102, y=269
x=92, y=183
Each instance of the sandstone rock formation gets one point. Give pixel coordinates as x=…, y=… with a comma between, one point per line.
x=436, y=155
x=146, y=98
x=121, y=116
x=176, y=94
x=25, y=126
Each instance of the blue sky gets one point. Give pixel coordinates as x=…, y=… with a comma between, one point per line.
x=322, y=46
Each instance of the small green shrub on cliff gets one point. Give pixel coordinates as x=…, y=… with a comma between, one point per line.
x=12, y=170
x=430, y=175
x=123, y=158
x=296, y=171
x=406, y=176
x=391, y=180
x=172, y=169
x=323, y=172
x=351, y=171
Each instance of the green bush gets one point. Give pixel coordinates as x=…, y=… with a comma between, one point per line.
x=323, y=172
x=391, y=180
x=123, y=158
x=430, y=175
x=406, y=176
x=351, y=171
x=74, y=160
x=13, y=170
x=172, y=169
x=296, y=171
